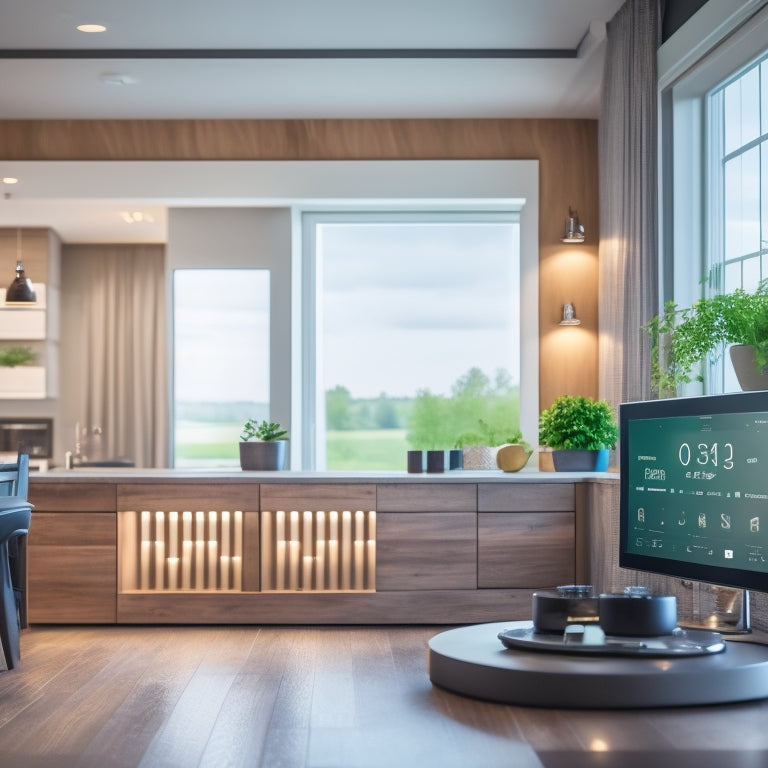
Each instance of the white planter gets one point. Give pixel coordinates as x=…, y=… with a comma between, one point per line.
x=23, y=382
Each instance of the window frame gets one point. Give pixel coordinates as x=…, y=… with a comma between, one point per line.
x=721, y=39
x=313, y=423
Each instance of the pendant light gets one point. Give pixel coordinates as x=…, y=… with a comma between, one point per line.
x=20, y=291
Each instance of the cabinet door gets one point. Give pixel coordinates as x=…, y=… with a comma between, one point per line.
x=531, y=550
x=72, y=567
x=426, y=550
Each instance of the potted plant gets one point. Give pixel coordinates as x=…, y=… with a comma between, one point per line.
x=682, y=338
x=262, y=446
x=481, y=448
x=580, y=431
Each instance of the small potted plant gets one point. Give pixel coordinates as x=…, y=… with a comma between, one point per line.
x=682, y=338
x=481, y=448
x=263, y=446
x=580, y=431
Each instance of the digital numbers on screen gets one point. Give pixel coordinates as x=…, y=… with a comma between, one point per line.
x=706, y=454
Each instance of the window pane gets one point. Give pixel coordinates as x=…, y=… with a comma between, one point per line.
x=221, y=361
x=409, y=308
x=742, y=204
x=750, y=272
x=742, y=110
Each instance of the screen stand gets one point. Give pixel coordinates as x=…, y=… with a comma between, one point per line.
x=728, y=614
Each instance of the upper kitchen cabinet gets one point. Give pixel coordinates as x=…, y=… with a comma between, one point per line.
x=33, y=328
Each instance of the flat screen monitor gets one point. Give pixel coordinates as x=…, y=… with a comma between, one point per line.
x=694, y=488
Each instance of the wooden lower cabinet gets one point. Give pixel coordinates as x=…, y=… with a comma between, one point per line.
x=72, y=554
x=525, y=550
x=72, y=568
x=428, y=550
x=445, y=552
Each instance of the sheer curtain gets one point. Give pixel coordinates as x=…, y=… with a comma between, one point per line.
x=121, y=400
x=628, y=201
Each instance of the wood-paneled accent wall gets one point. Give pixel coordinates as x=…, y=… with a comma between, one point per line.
x=566, y=150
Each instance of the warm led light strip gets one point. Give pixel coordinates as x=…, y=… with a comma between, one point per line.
x=190, y=551
x=318, y=551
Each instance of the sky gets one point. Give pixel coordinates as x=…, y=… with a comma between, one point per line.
x=403, y=308
x=409, y=307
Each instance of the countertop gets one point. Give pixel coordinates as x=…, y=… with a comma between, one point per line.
x=139, y=475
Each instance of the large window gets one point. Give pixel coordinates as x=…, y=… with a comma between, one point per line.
x=221, y=361
x=417, y=332
x=713, y=79
x=738, y=190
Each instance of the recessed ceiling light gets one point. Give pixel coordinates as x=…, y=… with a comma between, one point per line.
x=10, y=180
x=91, y=28
x=136, y=217
x=115, y=78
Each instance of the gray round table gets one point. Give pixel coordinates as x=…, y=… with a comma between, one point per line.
x=472, y=661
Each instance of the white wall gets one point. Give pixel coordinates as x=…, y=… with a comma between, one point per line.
x=241, y=238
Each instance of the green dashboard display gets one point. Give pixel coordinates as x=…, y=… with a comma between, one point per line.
x=697, y=489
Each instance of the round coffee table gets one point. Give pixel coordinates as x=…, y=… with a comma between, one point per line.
x=472, y=661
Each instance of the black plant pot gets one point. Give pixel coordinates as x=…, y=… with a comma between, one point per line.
x=263, y=456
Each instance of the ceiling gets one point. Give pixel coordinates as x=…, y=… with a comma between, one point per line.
x=271, y=59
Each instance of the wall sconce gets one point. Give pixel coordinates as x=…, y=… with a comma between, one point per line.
x=20, y=291
x=574, y=232
x=569, y=315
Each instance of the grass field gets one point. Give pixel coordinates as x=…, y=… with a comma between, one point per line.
x=367, y=449
x=196, y=443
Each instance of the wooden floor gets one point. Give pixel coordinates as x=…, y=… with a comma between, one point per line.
x=330, y=697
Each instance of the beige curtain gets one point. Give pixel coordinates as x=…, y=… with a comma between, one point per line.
x=628, y=199
x=122, y=390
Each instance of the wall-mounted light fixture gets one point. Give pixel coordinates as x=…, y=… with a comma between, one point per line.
x=20, y=291
x=569, y=315
x=574, y=232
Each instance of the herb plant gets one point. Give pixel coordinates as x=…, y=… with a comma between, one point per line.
x=266, y=431
x=10, y=357
x=578, y=423
x=682, y=338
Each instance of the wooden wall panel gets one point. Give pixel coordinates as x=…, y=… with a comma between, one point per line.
x=568, y=166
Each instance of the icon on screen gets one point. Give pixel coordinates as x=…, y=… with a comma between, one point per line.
x=728, y=554
x=737, y=494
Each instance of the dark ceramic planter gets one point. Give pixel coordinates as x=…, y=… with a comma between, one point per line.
x=750, y=378
x=263, y=456
x=575, y=461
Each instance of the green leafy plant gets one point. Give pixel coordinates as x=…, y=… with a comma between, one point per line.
x=265, y=431
x=682, y=338
x=578, y=423
x=10, y=357
x=491, y=436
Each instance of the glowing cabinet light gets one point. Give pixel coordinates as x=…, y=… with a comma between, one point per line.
x=202, y=550
x=181, y=551
x=318, y=551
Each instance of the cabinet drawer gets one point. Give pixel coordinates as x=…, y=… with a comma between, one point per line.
x=436, y=550
x=337, y=497
x=72, y=567
x=531, y=550
x=427, y=497
x=73, y=497
x=526, y=497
